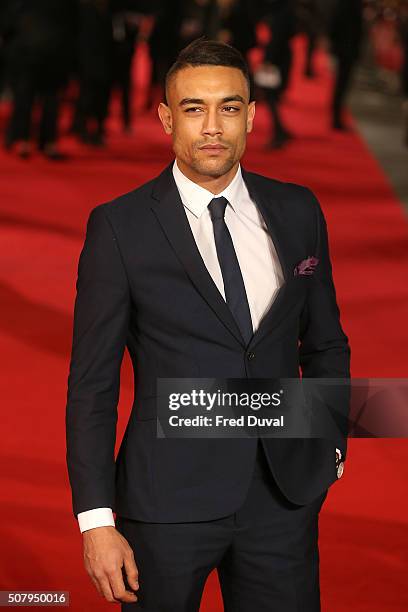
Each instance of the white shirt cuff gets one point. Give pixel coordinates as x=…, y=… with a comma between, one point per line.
x=99, y=517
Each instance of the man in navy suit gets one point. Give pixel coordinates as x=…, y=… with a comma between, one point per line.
x=207, y=271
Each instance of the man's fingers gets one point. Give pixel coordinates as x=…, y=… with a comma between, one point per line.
x=96, y=583
x=112, y=588
x=118, y=587
x=106, y=588
x=105, y=554
x=132, y=573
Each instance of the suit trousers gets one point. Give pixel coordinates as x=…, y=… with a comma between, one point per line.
x=266, y=554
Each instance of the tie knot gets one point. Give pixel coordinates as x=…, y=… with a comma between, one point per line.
x=217, y=208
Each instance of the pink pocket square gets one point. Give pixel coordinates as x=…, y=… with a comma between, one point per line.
x=306, y=266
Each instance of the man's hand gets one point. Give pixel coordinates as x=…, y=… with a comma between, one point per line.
x=106, y=551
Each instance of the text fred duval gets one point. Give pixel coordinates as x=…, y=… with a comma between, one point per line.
x=219, y=421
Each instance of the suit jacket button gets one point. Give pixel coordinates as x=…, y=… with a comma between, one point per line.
x=250, y=356
x=340, y=469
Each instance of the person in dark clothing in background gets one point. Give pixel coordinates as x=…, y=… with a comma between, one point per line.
x=403, y=30
x=177, y=24
x=132, y=21
x=164, y=43
x=4, y=34
x=345, y=33
x=234, y=23
x=126, y=21
x=310, y=21
x=199, y=18
x=39, y=56
x=238, y=23
x=95, y=67
x=280, y=15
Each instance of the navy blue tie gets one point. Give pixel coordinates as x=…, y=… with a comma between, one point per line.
x=234, y=287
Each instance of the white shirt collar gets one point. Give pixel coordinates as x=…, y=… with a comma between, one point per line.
x=197, y=199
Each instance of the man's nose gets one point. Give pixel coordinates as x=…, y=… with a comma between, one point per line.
x=212, y=123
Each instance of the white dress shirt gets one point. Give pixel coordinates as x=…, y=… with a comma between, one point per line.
x=256, y=254
x=253, y=245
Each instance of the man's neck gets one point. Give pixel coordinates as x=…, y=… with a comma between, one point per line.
x=213, y=184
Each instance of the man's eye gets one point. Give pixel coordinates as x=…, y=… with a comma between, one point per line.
x=193, y=109
x=231, y=109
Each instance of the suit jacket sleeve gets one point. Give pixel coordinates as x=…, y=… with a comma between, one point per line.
x=101, y=318
x=324, y=350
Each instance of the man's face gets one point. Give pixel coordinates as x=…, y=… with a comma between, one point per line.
x=208, y=116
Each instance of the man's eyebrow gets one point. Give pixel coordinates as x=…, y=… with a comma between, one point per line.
x=185, y=101
x=234, y=98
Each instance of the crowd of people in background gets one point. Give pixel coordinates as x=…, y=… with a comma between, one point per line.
x=46, y=45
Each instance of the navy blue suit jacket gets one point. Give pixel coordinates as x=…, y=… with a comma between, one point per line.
x=142, y=284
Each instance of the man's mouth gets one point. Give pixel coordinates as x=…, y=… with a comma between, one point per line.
x=213, y=148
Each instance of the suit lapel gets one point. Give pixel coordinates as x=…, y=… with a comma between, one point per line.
x=171, y=215
x=272, y=210
x=274, y=216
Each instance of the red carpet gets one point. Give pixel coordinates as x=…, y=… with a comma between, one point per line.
x=44, y=207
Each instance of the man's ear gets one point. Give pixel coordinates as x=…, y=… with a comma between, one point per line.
x=164, y=113
x=251, y=115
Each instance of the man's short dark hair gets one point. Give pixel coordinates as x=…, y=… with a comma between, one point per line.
x=204, y=52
